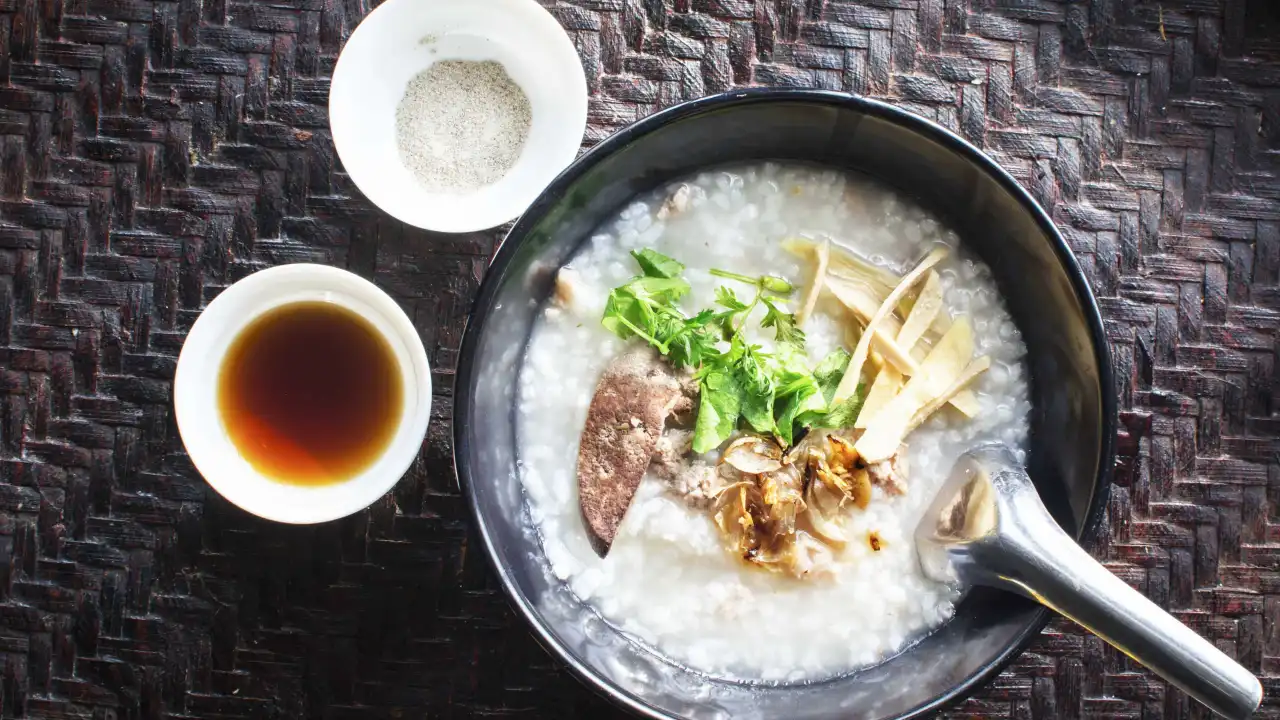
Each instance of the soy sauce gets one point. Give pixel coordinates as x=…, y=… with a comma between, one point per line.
x=310, y=393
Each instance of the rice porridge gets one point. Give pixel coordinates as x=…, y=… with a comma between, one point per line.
x=781, y=471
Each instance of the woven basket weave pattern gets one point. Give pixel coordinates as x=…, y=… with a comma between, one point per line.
x=154, y=151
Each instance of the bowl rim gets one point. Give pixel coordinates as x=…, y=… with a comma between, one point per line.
x=555, y=191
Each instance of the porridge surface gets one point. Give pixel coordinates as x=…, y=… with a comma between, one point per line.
x=668, y=580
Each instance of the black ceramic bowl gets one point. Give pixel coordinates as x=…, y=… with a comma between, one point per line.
x=1073, y=401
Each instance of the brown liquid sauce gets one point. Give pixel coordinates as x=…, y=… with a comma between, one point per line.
x=310, y=393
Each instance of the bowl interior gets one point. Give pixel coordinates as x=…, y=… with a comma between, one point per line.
x=1071, y=423
x=401, y=39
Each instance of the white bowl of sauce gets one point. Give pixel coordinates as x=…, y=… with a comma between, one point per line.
x=302, y=393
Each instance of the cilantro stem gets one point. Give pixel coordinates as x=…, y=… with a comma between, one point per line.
x=754, y=302
x=772, y=283
x=776, y=284
x=735, y=276
x=662, y=347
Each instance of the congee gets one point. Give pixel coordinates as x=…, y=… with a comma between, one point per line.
x=743, y=394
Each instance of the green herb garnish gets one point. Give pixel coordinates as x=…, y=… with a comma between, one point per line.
x=769, y=392
x=655, y=264
x=764, y=282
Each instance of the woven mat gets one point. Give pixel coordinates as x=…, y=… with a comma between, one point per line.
x=152, y=152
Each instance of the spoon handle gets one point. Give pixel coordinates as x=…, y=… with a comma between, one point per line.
x=1057, y=572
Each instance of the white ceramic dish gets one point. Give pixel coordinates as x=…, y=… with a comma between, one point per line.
x=195, y=393
x=400, y=39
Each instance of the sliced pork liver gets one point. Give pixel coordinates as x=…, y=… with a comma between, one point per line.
x=635, y=396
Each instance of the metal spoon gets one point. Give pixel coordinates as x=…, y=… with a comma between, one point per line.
x=989, y=527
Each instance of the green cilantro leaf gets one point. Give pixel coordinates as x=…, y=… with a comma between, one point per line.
x=660, y=290
x=733, y=307
x=804, y=401
x=840, y=416
x=691, y=343
x=830, y=371
x=625, y=315
x=827, y=375
x=797, y=390
x=757, y=385
x=719, y=407
x=656, y=265
x=783, y=324
x=728, y=299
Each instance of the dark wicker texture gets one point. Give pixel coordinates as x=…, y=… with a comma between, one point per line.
x=152, y=152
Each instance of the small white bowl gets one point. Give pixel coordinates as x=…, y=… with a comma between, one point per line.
x=400, y=39
x=195, y=393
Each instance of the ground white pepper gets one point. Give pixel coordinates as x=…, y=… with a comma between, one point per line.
x=461, y=125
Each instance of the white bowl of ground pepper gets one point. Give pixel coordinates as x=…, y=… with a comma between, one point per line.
x=452, y=115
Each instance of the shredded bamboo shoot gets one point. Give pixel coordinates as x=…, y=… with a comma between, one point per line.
x=888, y=380
x=822, y=254
x=886, y=385
x=973, y=370
x=887, y=431
x=847, y=265
x=949, y=360
x=927, y=306
x=849, y=382
x=856, y=300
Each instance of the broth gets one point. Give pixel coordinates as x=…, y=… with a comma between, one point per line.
x=310, y=393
